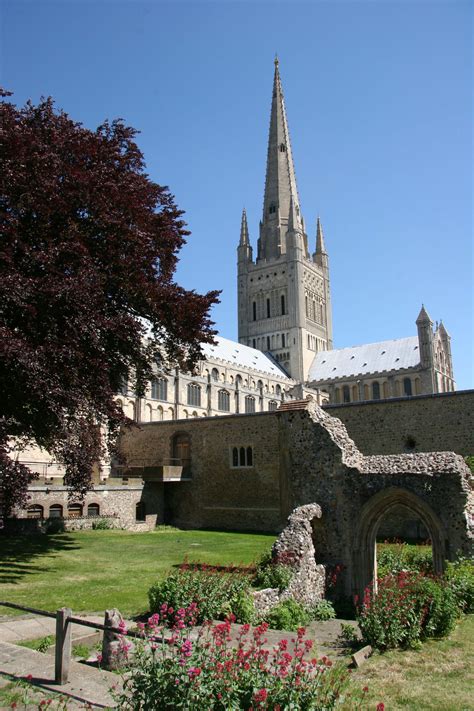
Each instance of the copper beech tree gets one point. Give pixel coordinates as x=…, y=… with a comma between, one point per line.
x=88, y=253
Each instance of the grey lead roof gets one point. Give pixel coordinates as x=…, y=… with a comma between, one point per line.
x=397, y=354
x=244, y=357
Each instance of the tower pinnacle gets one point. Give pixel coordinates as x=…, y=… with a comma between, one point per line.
x=244, y=230
x=320, y=246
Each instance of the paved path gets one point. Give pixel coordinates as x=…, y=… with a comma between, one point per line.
x=19, y=629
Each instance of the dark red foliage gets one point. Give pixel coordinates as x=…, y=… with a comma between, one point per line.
x=88, y=252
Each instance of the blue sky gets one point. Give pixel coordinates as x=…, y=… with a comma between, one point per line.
x=378, y=96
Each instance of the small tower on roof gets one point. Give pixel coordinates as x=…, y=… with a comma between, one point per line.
x=283, y=297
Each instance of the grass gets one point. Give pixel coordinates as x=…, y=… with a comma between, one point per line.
x=440, y=675
x=90, y=571
x=40, y=644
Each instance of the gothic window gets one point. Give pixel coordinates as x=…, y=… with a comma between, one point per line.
x=55, y=511
x=93, y=510
x=268, y=343
x=223, y=401
x=194, y=394
x=268, y=308
x=283, y=309
x=249, y=404
x=241, y=457
x=253, y=343
x=272, y=209
x=282, y=340
x=272, y=405
x=346, y=394
x=238, y=381
x=306, y=305
x=355, y=393
x=278, y=389
x=407, y=387
x=376, y=390
x=35, y=511
x=159, y=389
x=215, y=374
x=254, y=310
x=282, y=148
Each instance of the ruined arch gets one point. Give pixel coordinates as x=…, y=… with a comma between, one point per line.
x=364, y=554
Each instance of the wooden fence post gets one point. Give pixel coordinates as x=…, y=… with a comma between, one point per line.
x=63, y=645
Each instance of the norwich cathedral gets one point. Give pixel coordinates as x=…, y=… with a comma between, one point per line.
x=285, y=348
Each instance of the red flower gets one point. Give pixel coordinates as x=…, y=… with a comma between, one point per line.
x=261, y=696
x=380, y=707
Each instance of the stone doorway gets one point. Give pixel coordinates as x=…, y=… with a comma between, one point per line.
x=379, y=507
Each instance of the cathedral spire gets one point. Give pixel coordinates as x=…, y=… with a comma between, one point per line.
x=244, y=230
x=280, y=181
x=320, y=246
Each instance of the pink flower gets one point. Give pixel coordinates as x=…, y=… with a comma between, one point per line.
x=260, y=696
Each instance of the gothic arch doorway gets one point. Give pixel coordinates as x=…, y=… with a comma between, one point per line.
x=364, y=559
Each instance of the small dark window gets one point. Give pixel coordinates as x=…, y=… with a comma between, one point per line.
x=282, y=148
x=242, y=457
x=254, y=310
x=283, y=305
x=376, y=391
x=346, y=394
x=282, y=340
x=271, y=210
x=55, y=511
x=34, y=511
x=74, y=510
x=407, y=387
x=215, y=374
x=268, y=343
x=268, y=308
x=253, y=343
x=93, y=510
x=140, y=511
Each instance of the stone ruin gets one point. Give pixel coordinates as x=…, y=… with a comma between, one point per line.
x=295, y=547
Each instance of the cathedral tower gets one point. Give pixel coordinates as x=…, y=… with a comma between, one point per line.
x=283, y=297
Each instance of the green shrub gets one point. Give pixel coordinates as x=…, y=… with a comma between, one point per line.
x=395, y=557
x=216, y=593
x=273, y=572
x=470, y=462
x=102, y=524
x=322, y=610
x=241, y=606
x=460, y=578
x=349, y=636
x=287, y=615
x=407, y=608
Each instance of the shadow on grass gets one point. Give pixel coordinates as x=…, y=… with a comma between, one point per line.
x=23, y=555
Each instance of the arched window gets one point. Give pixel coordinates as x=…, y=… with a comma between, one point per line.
x=355, y=393
x=278, y=390
x=140, y=511
x=272, y=405
x=249, y=404
x=149, y=413
x=376, y=390
x=254, y=310
x=35, y=511
x=268, y=308
x=55, y=511
x=346, y=394
x=249, y=453
x=159, y=389
x=260, y=385
x=241, y=457
x=282, y=340
x=238, y=381
x=235, y=457
x=93, y=510
x=215, y=374
x=160, y=413
x=74, y=510
x=282, y=148
x=194, y=394
x=282, y=300
x=407, y=387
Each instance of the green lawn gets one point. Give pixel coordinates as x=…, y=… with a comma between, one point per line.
x=90, y=571
x=440, y=675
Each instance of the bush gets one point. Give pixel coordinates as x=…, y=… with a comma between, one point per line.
x=273, y=573
x=208, y=673
x=460, y=578
x=102, y=524
x=395, y=557
x=216, y=593
x=287, y=615
x=407, y=608
x=322, y=610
